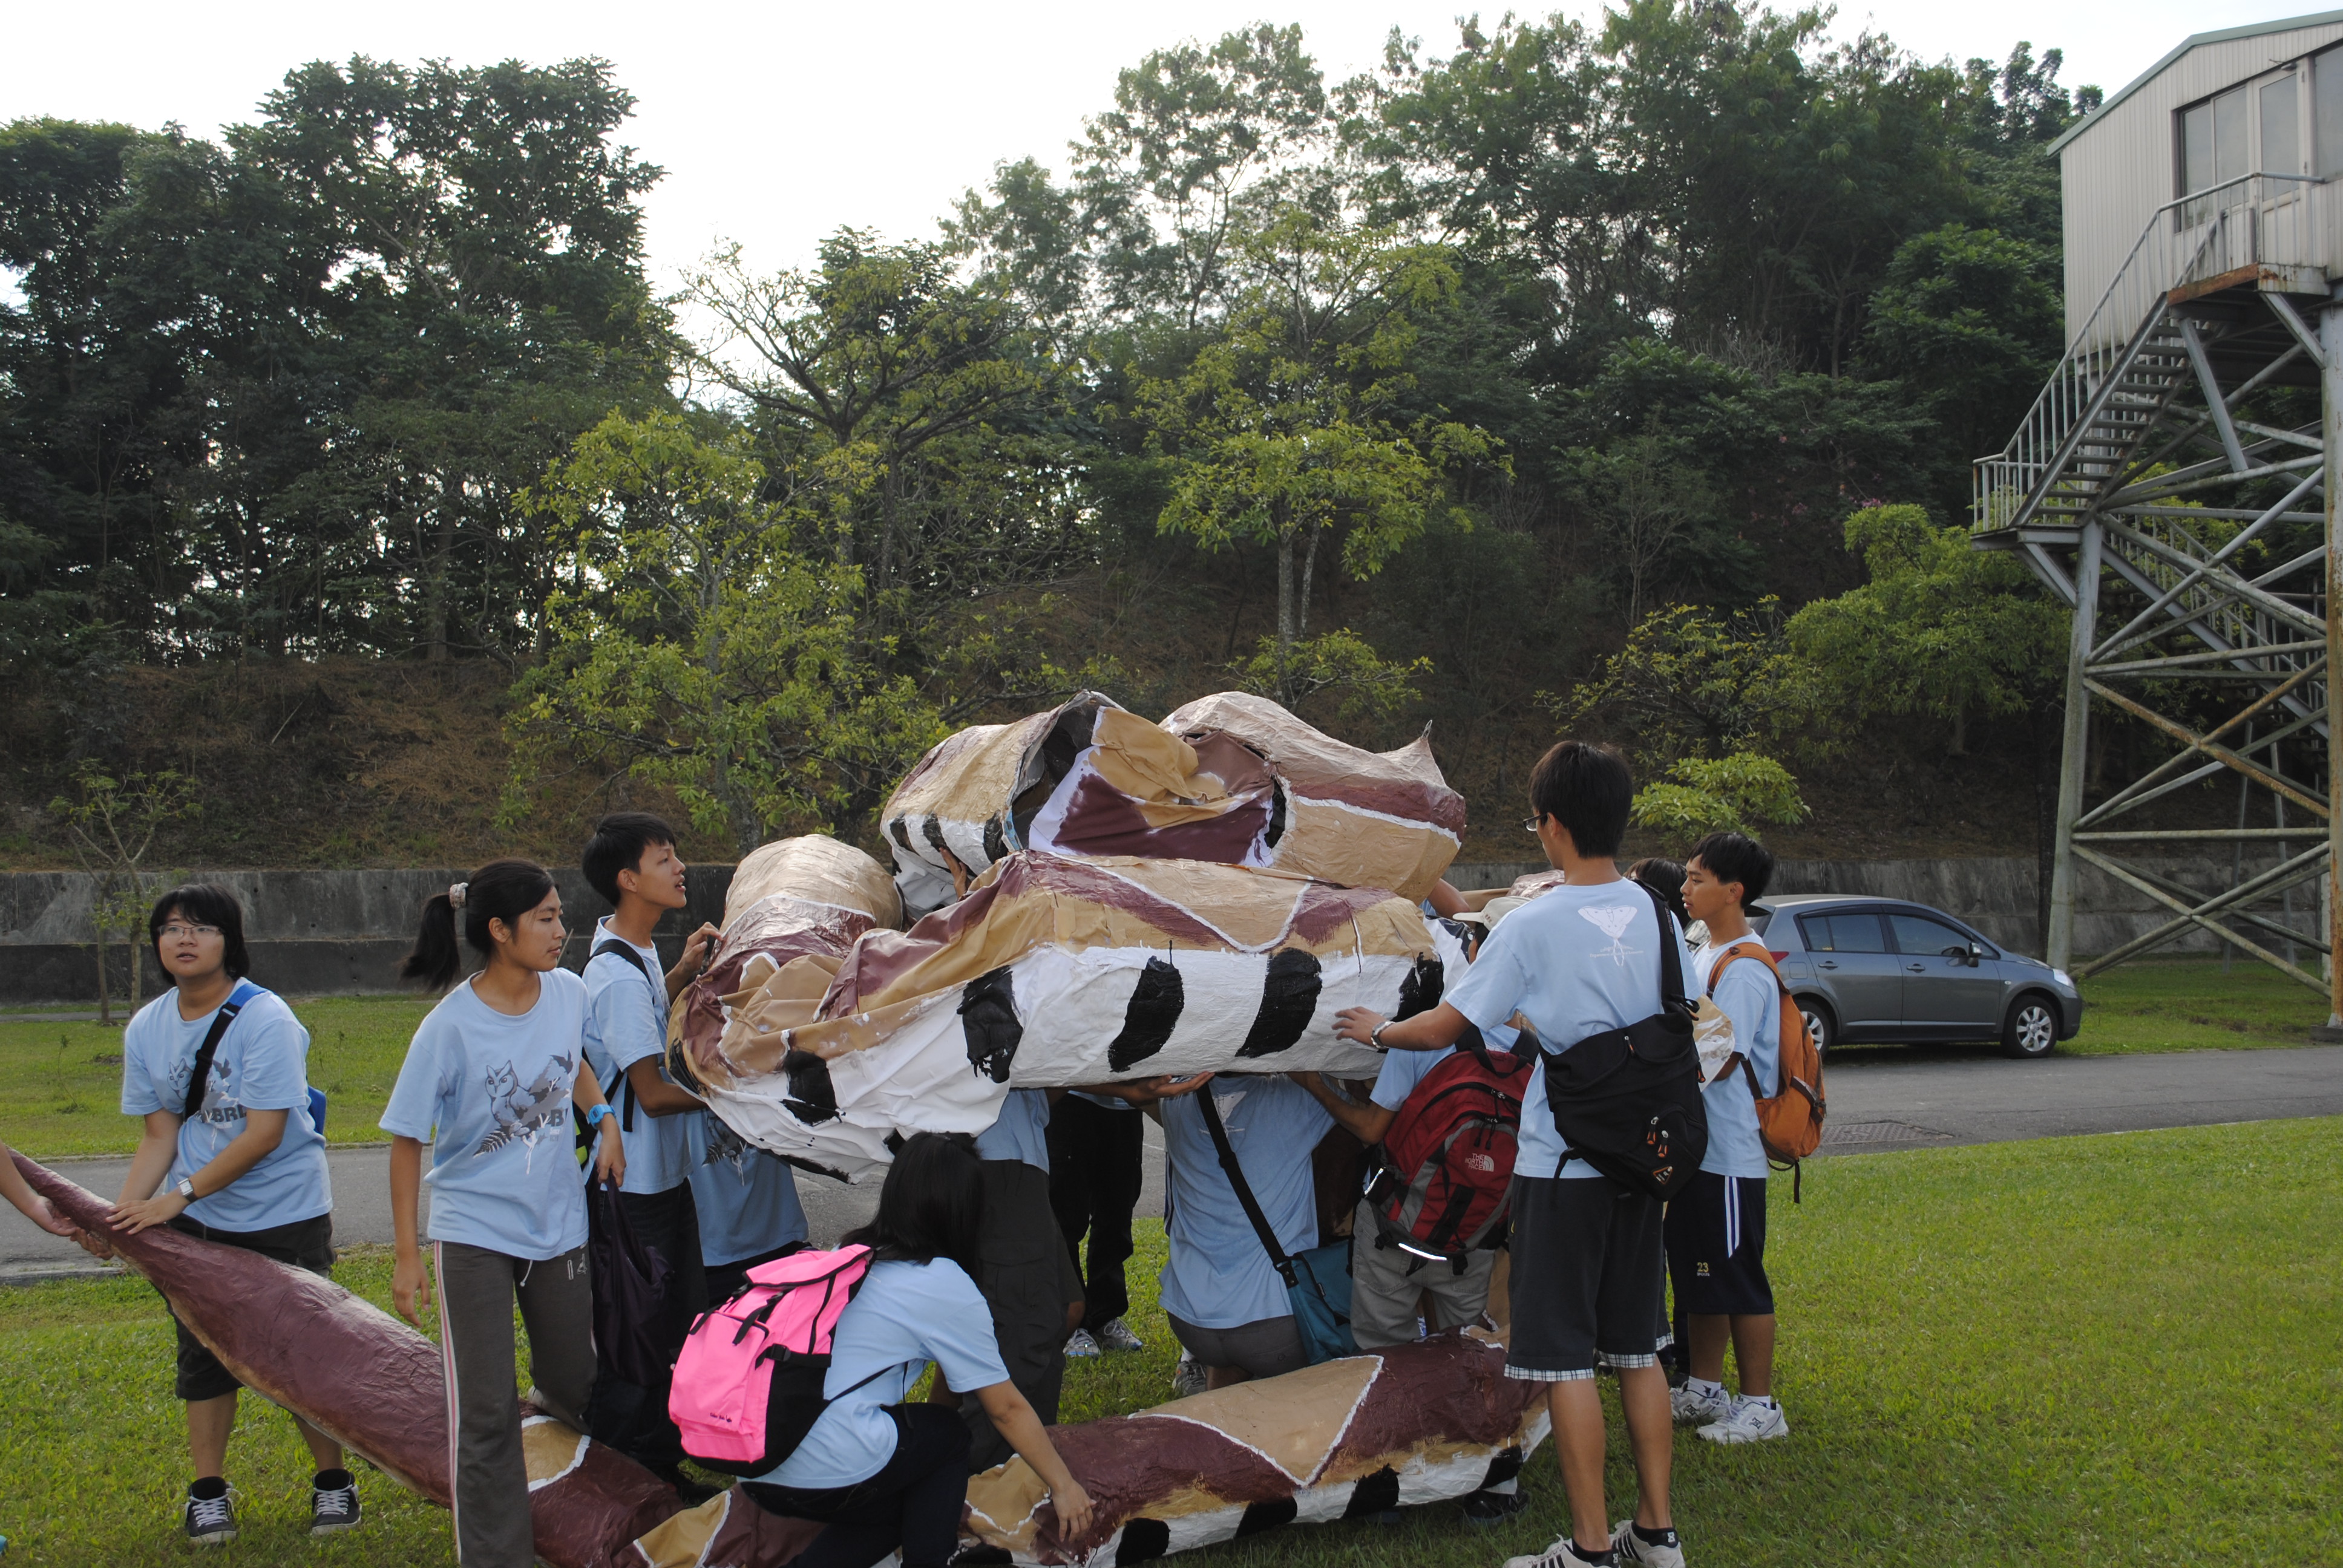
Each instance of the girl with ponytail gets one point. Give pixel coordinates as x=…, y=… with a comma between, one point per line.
x=488, y=1082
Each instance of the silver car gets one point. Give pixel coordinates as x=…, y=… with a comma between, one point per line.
x=1882, y=970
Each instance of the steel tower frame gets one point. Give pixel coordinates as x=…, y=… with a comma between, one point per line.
x=2133, y=490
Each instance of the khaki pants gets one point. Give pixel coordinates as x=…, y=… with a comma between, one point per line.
x=1385, y=1293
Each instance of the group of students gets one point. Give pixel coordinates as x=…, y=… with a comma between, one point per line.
x=974, y=1240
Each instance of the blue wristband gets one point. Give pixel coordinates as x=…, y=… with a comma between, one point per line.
x=594, y=1114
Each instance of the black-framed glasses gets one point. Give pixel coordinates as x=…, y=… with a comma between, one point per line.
x=1530, y=824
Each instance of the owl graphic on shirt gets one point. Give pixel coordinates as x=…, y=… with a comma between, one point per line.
x=522, y=1115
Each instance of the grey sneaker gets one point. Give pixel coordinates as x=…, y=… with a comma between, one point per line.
x=1187, y=1378
x=1752, y=1421
x=210, y=1521
x=1633, y=1548
x=1699, y=1406
x=1117, y=1336
x=1563, y=1554
x=334, y=1509
x=1081, y=1346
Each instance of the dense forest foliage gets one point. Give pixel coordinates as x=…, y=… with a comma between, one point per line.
x=1623, y=375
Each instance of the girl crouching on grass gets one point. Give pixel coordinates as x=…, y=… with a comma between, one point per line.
x=881, y=1473
x=488, y=1082
x=218, y=1067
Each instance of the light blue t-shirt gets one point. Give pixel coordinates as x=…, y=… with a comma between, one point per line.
x=1748, y=996
x=261, y=1065
x=1022, y=1132
x=495, y=1089
x=1575, y=961
x=626, y=1020
x=1218, y=1275
x=747, y=1197
x=905, y=1316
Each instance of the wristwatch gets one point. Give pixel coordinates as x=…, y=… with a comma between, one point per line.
x=1375, y=1035
x=594, y=1113
x=186, y=1188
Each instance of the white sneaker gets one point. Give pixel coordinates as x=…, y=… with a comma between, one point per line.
x=1080, y=1345
x=1117, y=1336
x=1563, y=1554
x=1633, y=1548
x=1752, y=1421
x=1699, y=1406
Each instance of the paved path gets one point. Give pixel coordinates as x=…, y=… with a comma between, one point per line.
x=1880, y=1100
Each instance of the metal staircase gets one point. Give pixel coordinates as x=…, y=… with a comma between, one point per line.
x=2191, y=544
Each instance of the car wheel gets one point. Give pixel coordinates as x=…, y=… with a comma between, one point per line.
x=2031, y=1029
x=1820, y=1025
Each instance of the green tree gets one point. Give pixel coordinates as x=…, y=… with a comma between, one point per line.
x=1692, y=682
x=111, y=822
x=1940, y=629
x=1719, y=795
x=1280, y=431
x=696, y=647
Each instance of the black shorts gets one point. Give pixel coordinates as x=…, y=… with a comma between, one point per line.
x=305, y=1243
x=1588, y=1265
x=1716, y=1247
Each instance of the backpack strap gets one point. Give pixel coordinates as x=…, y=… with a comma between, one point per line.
x=200, y=1076
x=1235, y=1173
x=625, y=951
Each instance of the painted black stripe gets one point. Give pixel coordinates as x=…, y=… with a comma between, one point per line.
x=1289, y=995
x=988, y=1017
x=810, y=1098
x=1154, y=1011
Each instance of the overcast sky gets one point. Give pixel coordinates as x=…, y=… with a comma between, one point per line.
x=778, y=122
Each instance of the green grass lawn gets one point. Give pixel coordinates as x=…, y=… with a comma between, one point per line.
x=2071, y=1351
x=2188, y=1004
x=61, y=1084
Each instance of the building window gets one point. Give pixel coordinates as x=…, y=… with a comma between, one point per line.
x=2281, y=128
x=2213, y=142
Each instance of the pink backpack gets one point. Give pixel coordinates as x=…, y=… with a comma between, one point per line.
x=749, y=1385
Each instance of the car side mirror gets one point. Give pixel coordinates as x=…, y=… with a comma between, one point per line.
x=1976, y=955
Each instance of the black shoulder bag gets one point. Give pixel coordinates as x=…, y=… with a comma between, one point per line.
x=1627, y=1100
x=201, y=1076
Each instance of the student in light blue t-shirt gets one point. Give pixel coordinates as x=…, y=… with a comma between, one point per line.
x=631, y=860
x=488, y=1082
x=1579, y=959
x=746, y=1201
x=882, y=1473
x=1716, y=1226
x=1226, y=1302
x=240, y=1162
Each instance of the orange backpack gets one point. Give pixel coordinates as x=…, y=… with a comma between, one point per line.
x=1790, y=1123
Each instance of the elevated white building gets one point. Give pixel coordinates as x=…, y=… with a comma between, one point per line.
x=2204, y=241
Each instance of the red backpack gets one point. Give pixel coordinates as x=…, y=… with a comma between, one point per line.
x=1447, y=1165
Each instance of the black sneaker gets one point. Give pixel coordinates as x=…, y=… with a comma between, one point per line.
x=210, y=1521
x=333, y=1502
x=1487, y=1510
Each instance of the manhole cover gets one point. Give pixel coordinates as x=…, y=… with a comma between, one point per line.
x=1849, y=1132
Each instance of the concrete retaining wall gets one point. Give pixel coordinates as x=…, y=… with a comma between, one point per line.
x=306, y=931
x=325, y=931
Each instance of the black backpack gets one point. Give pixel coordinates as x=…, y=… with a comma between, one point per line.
x=1627, y=1100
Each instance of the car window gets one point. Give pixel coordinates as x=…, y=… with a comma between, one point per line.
x=1850, y=933
x=1758, y=922
x=1920, y=936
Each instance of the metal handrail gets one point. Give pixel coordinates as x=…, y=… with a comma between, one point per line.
x=2013, y=484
